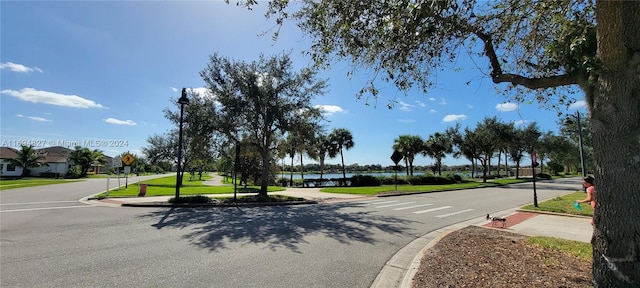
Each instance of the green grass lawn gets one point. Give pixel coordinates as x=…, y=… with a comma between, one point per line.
x=375, y=190
x=576, y=248
x=564, y=204
x=165, y=186
x=30, y=182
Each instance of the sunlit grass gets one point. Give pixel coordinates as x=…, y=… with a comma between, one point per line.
x=564, y=204
x=31, y=182
x=375, y=190
x=166, y=186
x=576, y=248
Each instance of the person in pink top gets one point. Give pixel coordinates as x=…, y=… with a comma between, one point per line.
x=588, y=183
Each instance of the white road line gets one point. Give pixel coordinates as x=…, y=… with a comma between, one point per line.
x=371, y=201
x=454, y=213
x=397, y=204
x=30, y=203
x=385, y=202
x=47, y=208
x=410, y=207
x=433, y=209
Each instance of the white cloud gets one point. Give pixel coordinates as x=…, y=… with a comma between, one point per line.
x=200, y=91
x=506, y=107
x=119, y=122
x=432, y=99
x=329, y=109
x=34, y=118
x=442, y=101
x=38, y=119
x=420, y=103
x=454, y=117
x=51, y=98
x=578, y=104
x=433, y=111
x=174, y=89
x=19, y=68
x=520, y=122
x=469, y=106
x=405, y=106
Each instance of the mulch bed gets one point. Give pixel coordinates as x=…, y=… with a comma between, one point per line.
x=482, y=257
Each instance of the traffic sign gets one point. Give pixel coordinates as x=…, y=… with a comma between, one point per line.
x=117, y=162
x=396, y=157
x=127, y=159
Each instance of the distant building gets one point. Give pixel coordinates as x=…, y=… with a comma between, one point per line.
x=56, y=157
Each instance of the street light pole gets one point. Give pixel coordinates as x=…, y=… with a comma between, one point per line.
x=182, y=101
x=579, y=126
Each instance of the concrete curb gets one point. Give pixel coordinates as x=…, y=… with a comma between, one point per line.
x=215, y=205
x=400, y=269
x=553, y=213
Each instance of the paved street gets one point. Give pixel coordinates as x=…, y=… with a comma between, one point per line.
x=337, y=244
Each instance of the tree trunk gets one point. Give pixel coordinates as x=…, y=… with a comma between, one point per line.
x=499, y=161
x=344, y=170
x=291, y=172
x=615, y=128
x=506, y=164
x=302, y=169
x=264, y=179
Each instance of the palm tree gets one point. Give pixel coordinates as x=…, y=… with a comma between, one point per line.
x=27, y=158
x=408, y=146
x=98, y=159
x=342, y=139
x=438, y=146
x=324, y=148
x=81, y=157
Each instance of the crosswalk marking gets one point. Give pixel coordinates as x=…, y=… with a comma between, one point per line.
x=454, y=213
x=411, y=207
x=432, y=209
x=371, y=201
x=397, y=204
x=385, y=202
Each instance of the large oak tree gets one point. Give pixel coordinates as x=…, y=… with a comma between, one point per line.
x=539, y=48
x=259, y=102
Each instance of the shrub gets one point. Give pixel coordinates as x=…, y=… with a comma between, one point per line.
x=391, y=180
x=197, y=199
x=430, y=180
x=555, y=167
x=364, y=180
x=543, y=176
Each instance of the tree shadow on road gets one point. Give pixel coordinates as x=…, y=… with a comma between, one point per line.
x=276, y=226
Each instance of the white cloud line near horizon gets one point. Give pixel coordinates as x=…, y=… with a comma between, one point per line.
x=19, y=68
x=45, y=97
x=120, y=122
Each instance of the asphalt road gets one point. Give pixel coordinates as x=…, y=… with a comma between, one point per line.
x=343, y=244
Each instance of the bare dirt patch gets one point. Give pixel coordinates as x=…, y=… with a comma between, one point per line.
x=481, y=257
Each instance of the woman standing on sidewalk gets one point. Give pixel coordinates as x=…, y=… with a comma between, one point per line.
x=588, y=183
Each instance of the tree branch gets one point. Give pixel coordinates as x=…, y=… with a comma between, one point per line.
x=532, y=83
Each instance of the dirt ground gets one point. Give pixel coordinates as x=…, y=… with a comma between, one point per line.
x=481, y=257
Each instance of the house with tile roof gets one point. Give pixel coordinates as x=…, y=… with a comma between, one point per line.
x=55, y=158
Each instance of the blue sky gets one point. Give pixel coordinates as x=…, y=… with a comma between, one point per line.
x=100, y=74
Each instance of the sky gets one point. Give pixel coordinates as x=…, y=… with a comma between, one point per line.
x=99, y=74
